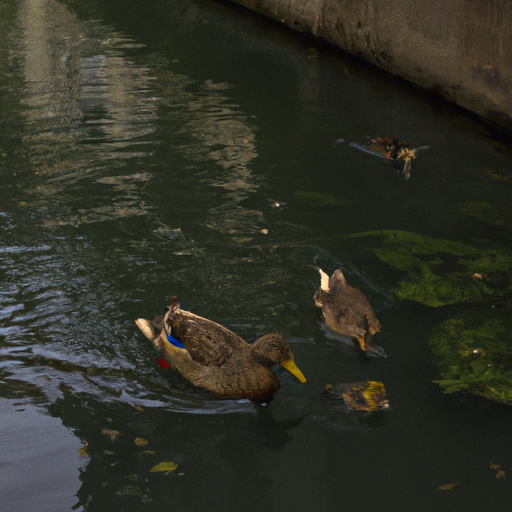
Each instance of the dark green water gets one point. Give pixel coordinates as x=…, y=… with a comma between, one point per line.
x=144, y=147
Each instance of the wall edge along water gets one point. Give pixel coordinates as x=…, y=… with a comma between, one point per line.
x=456, y=49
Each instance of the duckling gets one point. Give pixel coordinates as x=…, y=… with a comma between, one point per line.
x=359, y=396
x=346, y=310
x=216, y=359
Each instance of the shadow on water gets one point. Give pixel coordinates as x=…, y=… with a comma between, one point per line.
x=189, y=148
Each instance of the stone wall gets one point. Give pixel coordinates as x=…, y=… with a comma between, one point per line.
x=460, y=49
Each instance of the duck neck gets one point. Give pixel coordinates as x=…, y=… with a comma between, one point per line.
x=261, y=350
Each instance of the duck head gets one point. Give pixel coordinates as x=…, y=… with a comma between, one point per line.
x=274, y=349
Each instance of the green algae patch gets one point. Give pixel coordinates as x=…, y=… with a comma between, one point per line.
x=438, y=272
x=474, y=353
x=319, y=199
x=488, y=213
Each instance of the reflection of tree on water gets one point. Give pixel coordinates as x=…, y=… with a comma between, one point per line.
x=209, y=128
x=89, y=109
x=86, y=106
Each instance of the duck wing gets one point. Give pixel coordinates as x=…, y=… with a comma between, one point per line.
x=207, y=342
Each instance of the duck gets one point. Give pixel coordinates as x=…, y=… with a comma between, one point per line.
x=389, y=147
x=365, y=396
x=212, y=357
x=394, y=149
x=346, y=310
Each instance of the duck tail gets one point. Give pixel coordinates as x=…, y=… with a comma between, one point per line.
x=324, y=281
x=175, y=304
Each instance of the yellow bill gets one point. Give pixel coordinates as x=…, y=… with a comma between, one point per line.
x=294, y=370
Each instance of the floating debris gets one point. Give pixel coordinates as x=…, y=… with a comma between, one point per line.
x=164, y=467
x=447, y=487
x=113, y=434
x=277, y=204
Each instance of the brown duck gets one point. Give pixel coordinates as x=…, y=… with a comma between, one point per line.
x=389, y=147
x=216, y=359
x=346, y=310
x=394, y=149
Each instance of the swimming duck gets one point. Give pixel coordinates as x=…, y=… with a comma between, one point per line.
x=394, y=149
x=359, y=396
x=346, y=310
x=215, y=358
x=388, y=146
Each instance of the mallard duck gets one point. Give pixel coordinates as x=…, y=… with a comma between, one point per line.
x=346, y=310
x=359, y=396
x=394, y=149
x=216, y=359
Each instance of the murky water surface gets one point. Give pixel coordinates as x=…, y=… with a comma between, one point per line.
x=174, y=147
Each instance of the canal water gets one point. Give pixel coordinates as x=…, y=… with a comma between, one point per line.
x=187, y=147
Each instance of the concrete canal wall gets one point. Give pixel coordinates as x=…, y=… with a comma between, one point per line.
x=460, y=49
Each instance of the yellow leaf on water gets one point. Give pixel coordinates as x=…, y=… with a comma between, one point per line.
x=166, y=467
x=83, y=452
x=494, y=466
x=139, y=408
x=148, y=452
x=447, y=487
x=139, y=441
x=500, y=474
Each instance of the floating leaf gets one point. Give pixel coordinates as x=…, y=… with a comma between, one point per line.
x=148, y=452
x=447, y=487
x=494, y=466
x=110, y=433
x=83, y=452
x=139, y=441
x=108, y=452
x=166, y=467
x=139, y=408
x=500, y=474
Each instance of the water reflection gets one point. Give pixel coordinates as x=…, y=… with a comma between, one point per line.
x=91, y=109
x=139, y=161
x=32, y=442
